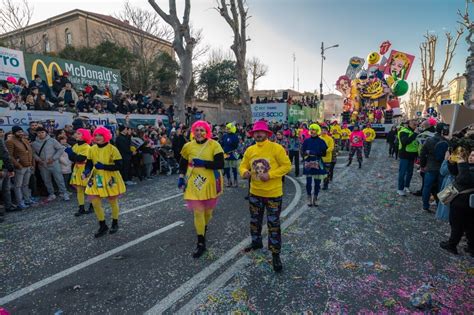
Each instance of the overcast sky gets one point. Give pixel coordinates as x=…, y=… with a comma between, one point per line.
x=279, y=28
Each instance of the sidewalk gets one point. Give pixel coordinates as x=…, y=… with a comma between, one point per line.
x=364, y=249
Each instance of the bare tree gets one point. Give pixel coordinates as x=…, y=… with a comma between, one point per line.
x=15, y=15
x=183, y=44
x=237, y=20
x=413, y=104
x=256, y=70
x=432, y=82
x=469, y=26
x=143, y=40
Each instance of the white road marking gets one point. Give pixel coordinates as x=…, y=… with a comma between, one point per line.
x=192, y=283
x=152, y=203
x=228, y=274
x=37, y=285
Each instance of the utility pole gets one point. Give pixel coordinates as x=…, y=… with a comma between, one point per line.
x=322, y=64
x=294, y=62
x=298, y=78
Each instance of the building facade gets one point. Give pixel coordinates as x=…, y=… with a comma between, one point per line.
x=457, y=87
x=78, y=28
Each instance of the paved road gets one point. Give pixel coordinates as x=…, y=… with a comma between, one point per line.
x=363, y=249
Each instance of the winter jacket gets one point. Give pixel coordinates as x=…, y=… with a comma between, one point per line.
x=5, y=157
x=464, y=180
x=408, y=144
x=432, y=153
x=21, y=153
x=123, y=144
x=52, y=149
x=68, y=96
x=65, y=163
x=230, y=143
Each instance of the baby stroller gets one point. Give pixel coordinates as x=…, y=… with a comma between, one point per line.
x=168, y=164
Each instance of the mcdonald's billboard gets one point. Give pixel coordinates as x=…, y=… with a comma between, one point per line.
x=79, y=73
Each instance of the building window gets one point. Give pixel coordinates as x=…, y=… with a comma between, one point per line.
x=46, y=45
x=68, y=37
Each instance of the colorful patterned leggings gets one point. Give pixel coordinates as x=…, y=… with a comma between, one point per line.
x=367, y=148
x=257, y=210
x=356, y=150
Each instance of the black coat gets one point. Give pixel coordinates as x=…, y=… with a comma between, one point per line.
x=123, y=144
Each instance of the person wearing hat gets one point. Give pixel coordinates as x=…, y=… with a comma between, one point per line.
x=265, y=163
x=230, y=144
x=47, y=152
x=314, y=149
x=328, y=158
x=102, y=172
x=21, y=154
x=78, y=155
x=202, y=160
x=369, y=133
x=356, y=141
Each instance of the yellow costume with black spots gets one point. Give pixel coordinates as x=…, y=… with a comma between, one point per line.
x=103, y=183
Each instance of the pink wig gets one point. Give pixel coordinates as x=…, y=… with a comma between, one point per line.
x=204, y=125
x=104, y=132
x=86, y=135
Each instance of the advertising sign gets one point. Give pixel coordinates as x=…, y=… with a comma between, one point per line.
x=79, y=73
x=11, y=64
x=273, y=112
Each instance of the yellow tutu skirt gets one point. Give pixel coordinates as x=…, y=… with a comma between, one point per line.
x=76, y=176
x=105, y=184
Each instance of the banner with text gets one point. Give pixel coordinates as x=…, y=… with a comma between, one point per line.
x=12, y=64
x=272, y=112
x=79, y=73
x=57, y=120
x=297, y=113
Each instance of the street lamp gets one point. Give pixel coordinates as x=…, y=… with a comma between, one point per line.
x=323, y=49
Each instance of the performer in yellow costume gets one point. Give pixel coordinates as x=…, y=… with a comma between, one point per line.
x=201, y=178
x=335, y=130
x=345, y=135
x=369, y=138
x=78, y=154
x=103, y=178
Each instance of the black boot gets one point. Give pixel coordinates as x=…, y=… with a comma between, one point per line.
x=449, y=247
x=200, y=248
x=205, y=231
x=102, y=229
x=80, y=212
x=360, y=164
x=253, y=246
x=349, y=163
x=90, y=210
x=114, y=227
x=277, y=265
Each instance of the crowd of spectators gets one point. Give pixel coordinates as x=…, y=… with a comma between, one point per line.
x=63, y=96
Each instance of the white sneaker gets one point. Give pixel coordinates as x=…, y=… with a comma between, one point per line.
x=407, y=190
x=66, y=197
x=51, y=198
x=401, y=192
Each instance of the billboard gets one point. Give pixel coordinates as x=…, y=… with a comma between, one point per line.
x=273, y=112
x=11, y=64
x=79, y=73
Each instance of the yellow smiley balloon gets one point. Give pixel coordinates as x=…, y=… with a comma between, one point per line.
x=373, y=58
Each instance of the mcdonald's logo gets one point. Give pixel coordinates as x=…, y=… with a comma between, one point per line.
x=47, y=69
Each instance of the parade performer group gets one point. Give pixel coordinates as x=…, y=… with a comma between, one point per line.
x=200, y=176
x=265, y=163
x=103, y=178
